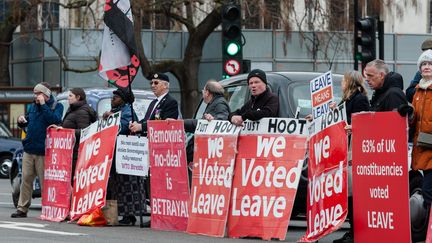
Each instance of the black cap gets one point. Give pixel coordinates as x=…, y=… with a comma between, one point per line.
x=258, y=73
x=160, y=76
x=125, y=95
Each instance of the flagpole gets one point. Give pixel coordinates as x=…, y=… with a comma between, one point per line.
x=130, y=92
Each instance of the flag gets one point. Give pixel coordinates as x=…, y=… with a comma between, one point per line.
x=119, y=52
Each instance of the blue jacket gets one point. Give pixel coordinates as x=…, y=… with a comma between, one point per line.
x=39, y=117
x=126, y=117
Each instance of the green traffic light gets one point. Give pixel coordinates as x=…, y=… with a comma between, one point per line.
x=233, y=48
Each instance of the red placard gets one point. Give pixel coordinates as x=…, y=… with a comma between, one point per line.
x=267, y=172
x=380, y=177
x=168, y=175
x=59, y=146
x=429, y=230
x=214, y=157
x=93, y=165
x=327, y=203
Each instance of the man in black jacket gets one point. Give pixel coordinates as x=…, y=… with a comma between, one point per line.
x=161, y=108
x=388, y=87
x=263, y=102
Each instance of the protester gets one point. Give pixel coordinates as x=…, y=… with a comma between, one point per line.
x=44, y=112
x=122, y=101
x=356, y=100
x=410, y=91
x=263, y=103
x=78, y=116
x=161, y=108
x=129, y=191
x=422, y=156
x=388, y=87
x=217, y=107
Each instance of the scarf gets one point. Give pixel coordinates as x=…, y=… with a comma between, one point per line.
x=424, y=84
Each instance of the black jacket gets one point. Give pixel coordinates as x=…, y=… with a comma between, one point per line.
x=390, y=96
x=79, y=115
x=166, y=108
x=356, y=103
x=263, y=105
x=218, y=108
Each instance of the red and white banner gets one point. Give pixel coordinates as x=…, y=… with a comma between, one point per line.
x=214, y=157
x=327, y=203
x=59, y=146
x=94, y=165
x=267, y=172
x=321, y=89
x=168, y=175
x=380, y=177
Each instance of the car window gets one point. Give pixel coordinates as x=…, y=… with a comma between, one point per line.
x=300, y=95
x=65, y=104
x=4, y=131
x=140, y=106
x=103, y=106
x=235, y=95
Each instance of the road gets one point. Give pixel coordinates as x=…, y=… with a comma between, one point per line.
x=34, y=230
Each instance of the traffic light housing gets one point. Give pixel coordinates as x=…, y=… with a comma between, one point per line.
x=232, y=48
x=367, y=40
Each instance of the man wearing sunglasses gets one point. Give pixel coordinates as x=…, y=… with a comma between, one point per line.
x=161, y=108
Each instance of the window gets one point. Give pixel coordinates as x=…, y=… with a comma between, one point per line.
x=339, y=15
x=262, y=14
x=50, y=15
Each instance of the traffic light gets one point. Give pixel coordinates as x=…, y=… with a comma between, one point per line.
x=232, y=48
x=367, y=40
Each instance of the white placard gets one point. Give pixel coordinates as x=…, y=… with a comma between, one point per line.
x=132, y=155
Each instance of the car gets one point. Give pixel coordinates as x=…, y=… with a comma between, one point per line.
x=293, y=91
x=100, y=100
x=16, y=178
x=8, y=146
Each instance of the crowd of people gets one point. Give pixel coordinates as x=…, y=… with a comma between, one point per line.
x=129, y=191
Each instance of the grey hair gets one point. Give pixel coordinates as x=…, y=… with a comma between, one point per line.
x=379, y=64
x=167, y=84
x=214, y=87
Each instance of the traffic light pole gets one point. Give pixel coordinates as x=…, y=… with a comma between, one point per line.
x=355, y=34
x=381, y=38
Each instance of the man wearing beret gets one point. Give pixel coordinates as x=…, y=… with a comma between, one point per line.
x=263, y=103
x=44, y=112
x=161, y=108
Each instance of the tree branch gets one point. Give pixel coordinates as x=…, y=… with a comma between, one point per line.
x=73, y=4
x=65, y=62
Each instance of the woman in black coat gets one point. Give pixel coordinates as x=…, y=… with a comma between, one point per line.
x=354, y=94
x=79, y=115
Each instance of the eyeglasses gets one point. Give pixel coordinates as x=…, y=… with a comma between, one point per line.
x=154, y=82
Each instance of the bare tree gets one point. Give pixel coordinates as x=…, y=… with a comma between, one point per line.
x=186, y=70
x=24, y=14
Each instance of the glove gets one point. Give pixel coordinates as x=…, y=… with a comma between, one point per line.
x=405, y=110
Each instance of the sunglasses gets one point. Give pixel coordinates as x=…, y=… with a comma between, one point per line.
x=154, y=82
